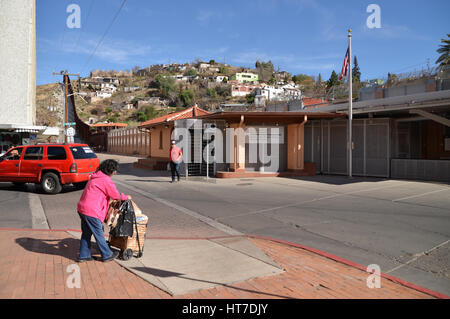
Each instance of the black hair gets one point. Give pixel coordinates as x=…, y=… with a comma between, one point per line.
x=108, y=167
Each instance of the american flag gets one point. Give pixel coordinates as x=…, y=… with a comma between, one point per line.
x=345, y=66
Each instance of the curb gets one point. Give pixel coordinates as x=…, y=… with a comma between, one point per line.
x=355, y=265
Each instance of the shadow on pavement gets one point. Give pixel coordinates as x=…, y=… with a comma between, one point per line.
x=67, y=247
x=32, y=188
x=164, y=273
x=338, y=179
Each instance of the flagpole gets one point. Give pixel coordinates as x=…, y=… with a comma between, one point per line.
x=350, y=106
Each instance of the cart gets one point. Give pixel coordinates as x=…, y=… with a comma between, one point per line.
x=130, y=245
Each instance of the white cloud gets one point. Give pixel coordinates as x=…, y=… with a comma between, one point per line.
x=388, y=31
x=289, y=62
x=112, y=49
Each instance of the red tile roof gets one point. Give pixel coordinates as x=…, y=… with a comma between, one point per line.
x=110, y=125
x=186, y=114
x=313, y=101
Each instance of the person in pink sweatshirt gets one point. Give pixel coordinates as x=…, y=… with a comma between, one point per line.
x=93, y=207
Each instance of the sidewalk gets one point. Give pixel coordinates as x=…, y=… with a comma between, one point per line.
x=33, y=264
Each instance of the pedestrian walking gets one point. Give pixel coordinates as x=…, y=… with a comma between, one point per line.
x=93, y=207
x=176, y=157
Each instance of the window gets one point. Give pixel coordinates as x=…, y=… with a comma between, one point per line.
x=82, y=152
x=160, y=140
x=13, y=155
x=33, y=154
x=56, y=153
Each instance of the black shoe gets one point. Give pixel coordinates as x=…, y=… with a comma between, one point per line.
x=113, y=256
x=82, y=260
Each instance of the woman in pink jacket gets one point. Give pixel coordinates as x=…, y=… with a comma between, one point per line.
x=93, y=207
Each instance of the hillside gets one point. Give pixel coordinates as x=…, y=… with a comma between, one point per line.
x=139, y=95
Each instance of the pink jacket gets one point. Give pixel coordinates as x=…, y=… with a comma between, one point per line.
x=94, y=201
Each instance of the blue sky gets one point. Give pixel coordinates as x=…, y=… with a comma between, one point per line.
x=298, y=36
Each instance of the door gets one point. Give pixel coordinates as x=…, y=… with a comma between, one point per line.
x=10, y=166
x=31, y=164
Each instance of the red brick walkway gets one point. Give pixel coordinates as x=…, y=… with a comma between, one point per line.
x=33, y=264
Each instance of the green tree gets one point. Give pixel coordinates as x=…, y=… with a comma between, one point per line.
x=334, y=80
x=212, y=93
x=300, y=78
x=356, y=73
x=187, y=97
x=272, y=81
x=212, y=62
x=250, y=98
x=108, y=110
x=190, y=72
x=222, y=69
x=444, y=51
x=140, y=116
x=166, y=85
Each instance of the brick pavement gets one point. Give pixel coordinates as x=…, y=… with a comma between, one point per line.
x=33, y=265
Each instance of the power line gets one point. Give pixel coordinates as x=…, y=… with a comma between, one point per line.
x=85, y=24
x=104, y=35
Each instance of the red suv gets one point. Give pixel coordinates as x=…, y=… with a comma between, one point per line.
x=50, y=165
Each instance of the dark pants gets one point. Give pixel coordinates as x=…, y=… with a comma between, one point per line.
x=92, y=226
x=175, y=167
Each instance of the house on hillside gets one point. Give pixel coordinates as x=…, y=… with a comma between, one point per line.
x=245, y=77
x=243, y=89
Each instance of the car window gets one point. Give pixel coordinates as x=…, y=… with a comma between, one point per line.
x=82, y=152
x=13, y=155
x=33, y=154
x=56, y=153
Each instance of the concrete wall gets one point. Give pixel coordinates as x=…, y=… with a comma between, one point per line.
x=18, y=61
x=128, y=141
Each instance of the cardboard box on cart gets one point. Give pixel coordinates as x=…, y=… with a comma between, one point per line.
x=128, y=245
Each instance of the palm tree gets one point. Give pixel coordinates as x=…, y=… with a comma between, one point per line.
x=444, y=50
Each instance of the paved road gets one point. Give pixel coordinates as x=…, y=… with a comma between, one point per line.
x=402, y=226
x=15, y=210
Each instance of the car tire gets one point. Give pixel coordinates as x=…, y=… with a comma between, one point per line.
x=80, y=186
x=50, y=183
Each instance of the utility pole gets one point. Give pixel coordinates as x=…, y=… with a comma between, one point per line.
x=66, y=96
x=350, y=106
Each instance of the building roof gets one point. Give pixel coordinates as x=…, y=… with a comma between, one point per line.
x=186, y=114
x=269, y=117
x=110, y=125
x=309, y=101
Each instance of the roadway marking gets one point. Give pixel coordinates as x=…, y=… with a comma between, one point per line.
x=420, y=195
x=38, y=218
x=182, y=209
x=417, y=256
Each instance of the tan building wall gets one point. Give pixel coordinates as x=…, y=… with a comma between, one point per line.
x=160, y=142
x=18, y=62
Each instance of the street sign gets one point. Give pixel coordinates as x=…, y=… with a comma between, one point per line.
x=70, y=124
x=70, y=132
